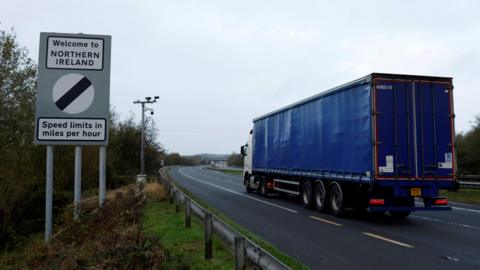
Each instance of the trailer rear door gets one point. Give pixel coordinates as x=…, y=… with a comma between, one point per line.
x=413, y=126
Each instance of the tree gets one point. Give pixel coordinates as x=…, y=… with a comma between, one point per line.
x=468, y=149
x=235, y=160
x=17, y=94
x=20, y=160
x=177, y=159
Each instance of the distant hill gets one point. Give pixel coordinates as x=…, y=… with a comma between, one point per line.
x=213, y=157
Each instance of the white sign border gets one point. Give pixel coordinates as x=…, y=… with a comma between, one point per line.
x=70, y=68
x=69, y=118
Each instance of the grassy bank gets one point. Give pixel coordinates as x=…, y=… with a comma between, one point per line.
x=184, y=247
x=109, y=238
x=464, y=195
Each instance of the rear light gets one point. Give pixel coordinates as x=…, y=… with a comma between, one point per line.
x=440, y=201
x=377, y=201
x=269, y=184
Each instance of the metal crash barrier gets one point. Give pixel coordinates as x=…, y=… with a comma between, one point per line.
x=242, y=246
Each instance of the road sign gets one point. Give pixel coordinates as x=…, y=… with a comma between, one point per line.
x=73, y=93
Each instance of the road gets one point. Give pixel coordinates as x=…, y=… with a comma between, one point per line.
x=425, y=240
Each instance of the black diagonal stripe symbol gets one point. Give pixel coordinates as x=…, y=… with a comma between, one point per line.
x=73, y=93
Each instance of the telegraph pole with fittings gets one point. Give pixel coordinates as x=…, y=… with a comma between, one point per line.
x=142, y=177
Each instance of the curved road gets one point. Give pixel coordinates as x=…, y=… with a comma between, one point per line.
x=425, y=240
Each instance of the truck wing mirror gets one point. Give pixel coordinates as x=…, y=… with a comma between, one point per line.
x=242, y=151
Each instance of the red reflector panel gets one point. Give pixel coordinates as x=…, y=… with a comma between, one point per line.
x=377, y=201
x=441, y=201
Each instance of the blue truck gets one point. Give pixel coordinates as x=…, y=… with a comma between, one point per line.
x=377, y=143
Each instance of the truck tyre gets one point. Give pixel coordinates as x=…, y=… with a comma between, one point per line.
x=400, y=214
x=320, y=197
x=263, y=187
x=337, y=200
x=246, y=181
x=248, y=188
x=307, y=194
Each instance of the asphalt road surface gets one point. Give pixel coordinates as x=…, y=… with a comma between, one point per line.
x=425, y=240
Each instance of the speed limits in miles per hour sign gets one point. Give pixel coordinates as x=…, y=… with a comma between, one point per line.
x=73, y=93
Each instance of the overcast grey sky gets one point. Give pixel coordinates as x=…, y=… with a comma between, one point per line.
x=218, y=64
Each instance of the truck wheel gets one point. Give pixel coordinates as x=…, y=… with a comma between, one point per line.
x=336, y=199
x=307, y=194
x=246, y=181
x=249, y=189
x=263, y=188
x=320, y=197
x=400, y=214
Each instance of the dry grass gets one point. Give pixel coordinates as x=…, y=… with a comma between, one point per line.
x=110, y=238
x=155, y=191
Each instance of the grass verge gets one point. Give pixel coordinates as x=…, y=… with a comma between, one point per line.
x=289, y=261
x=184, y=248
x=464, y=195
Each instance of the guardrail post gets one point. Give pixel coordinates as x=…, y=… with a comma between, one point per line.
x=177, y=202
x=188, y=213
x=171, y=195
x=239, y=253
x=208, y=236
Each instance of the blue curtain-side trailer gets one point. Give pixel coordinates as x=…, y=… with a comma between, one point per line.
x=376, y=143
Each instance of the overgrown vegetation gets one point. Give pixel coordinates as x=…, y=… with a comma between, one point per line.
x=468, y=149
x=111, y=238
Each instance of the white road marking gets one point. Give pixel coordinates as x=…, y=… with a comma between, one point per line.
x=326, y=221
x=465, y=209
x=455, y=208
x=237, y=182
x=388, y=240
x=237, y=193
x=225, y=174
x=447, y=222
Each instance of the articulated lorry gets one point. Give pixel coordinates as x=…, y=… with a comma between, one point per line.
x=376, y=143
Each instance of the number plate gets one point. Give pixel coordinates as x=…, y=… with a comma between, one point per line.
x=416, y=192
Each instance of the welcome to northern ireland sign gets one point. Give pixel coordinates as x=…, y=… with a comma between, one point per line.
x=73, y=93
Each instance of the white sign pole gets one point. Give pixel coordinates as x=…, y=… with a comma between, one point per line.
x=78, y=182
x=49, y=194
x=102, y=174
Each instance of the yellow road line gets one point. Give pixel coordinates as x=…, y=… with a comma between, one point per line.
x=388, y=240
x=326, y=221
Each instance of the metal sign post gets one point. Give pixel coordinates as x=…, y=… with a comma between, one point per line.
x=49, y=193
x=78, y=182
x=72, y=105
x=102, y=174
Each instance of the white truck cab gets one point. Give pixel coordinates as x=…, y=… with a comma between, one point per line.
x=247, y=152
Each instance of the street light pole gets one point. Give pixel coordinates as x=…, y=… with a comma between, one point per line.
x=142, y=147
x=142, y=176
